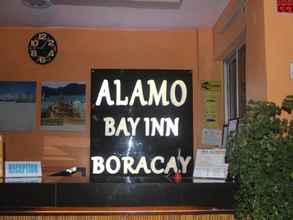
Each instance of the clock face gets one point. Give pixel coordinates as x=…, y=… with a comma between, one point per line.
x=42, y=48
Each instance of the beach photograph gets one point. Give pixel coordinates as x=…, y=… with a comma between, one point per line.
x=17, y=105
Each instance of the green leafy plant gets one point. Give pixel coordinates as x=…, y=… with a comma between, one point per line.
x=260, y=155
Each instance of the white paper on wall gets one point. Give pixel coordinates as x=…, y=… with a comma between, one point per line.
x=212, y=136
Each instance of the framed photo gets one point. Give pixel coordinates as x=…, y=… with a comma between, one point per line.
x=63, y=106
x=17, y=105
x=233, y=125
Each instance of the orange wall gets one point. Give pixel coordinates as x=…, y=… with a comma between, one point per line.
x=79, y=51
x=279, y=51
x=209, y=69
x=256, y=64
x=248, y=27
x=227, y=35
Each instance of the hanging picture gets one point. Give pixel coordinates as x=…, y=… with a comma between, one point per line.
x=63, y=105
x=17, y=105
x=141, y=123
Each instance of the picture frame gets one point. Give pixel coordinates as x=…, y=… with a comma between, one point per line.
x=233, y=125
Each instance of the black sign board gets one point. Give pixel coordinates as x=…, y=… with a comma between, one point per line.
x=141, y=123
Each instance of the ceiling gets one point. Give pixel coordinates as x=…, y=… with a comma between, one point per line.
x=191, y=13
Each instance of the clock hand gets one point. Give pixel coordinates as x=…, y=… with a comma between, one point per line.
x=44, y=44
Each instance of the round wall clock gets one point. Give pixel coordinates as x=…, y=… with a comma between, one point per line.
x=42, y=48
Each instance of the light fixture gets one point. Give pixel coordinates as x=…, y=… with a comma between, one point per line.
x=120, y=3
x=37, y=3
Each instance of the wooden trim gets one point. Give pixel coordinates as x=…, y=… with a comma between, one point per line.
x=116, y=211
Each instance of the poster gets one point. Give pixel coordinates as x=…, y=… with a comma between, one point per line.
x=212, y=136
x=17, y=105
x=141, y=123
x=63, y=106
x=232, y=126
x=210, y=163
x=285, y=6
x=211, y=97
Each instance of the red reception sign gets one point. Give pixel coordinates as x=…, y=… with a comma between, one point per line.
x=285, y=6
